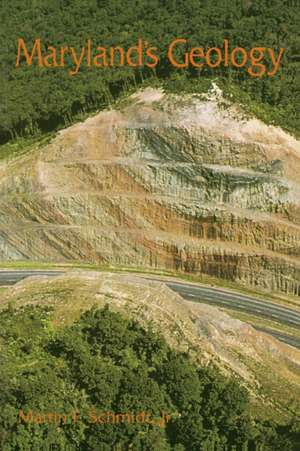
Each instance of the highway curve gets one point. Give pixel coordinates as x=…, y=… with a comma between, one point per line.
x=208, y=295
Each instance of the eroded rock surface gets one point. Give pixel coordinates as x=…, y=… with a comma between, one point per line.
x=175, y=182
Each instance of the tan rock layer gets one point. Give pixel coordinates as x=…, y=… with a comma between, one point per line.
x=181, y=183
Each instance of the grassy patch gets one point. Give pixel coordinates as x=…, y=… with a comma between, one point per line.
x=23, y=145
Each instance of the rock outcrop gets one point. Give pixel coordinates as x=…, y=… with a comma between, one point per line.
x=168, y=182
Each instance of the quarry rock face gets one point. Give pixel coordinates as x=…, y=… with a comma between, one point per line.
x=184, y=183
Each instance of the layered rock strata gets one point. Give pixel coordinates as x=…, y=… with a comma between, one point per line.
x=185, y=183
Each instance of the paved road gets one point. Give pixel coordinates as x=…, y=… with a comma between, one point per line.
x=247, y=304
x=208, y=295
x=12, y=277
x=292, y=341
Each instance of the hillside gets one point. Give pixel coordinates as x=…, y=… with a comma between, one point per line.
x=187, y=183
x=270, y=370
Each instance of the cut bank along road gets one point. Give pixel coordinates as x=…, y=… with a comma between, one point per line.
x=207, y=295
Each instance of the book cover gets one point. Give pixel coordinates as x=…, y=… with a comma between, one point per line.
x=150, y=225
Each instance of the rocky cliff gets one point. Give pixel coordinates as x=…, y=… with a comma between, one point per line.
x=186, y=183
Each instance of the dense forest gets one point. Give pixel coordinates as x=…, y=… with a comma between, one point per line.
x=34, y=100
x=105, y=365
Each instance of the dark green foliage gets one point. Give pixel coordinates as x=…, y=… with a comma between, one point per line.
x=34, y=100
x=105, y=365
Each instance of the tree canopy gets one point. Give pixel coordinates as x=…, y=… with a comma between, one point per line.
x=62, y=389
x=34, y=100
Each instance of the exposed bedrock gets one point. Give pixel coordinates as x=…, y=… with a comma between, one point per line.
x=179, y=183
